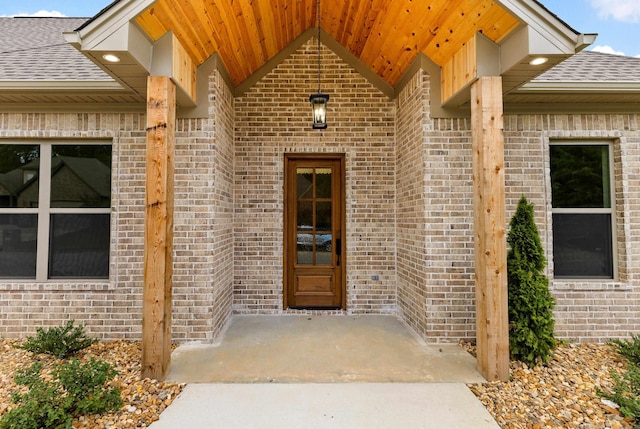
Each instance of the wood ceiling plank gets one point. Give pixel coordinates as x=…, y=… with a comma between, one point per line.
x=386, y=35
x=195, y=38
x=237, y=51
x=152, y=24
x=383, y=31
x=174, y=20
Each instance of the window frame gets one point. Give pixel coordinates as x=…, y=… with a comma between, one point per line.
x=611, y=210
x=44, y=211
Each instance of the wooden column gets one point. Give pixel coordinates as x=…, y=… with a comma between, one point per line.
x=492, y=319
x=158, y=241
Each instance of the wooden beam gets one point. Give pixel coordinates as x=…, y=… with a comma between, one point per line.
x=158, y=243
x=492, y=334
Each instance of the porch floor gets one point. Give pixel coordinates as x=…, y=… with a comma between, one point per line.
x=321, y=349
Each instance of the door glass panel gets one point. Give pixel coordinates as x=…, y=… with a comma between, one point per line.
x=304, y=182
x=323, y=183
x=18, y=235
x=323, y=216
x=304, y=253
x=19, y=166
x=323, y=249
x=305, y=215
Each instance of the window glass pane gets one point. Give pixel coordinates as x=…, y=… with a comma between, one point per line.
x=19, y=166
x=18, y=245
x=80, y=176
x=79, y=246
x=580, y=176
x=304, y=182
x=323, y=183
x=582, y=245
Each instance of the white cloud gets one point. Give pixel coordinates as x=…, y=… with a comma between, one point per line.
x=620, y=10
x=40, y=13
x=606, y=50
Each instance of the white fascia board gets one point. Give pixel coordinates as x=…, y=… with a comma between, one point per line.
x=581, y=87
x=546, y=24
x=102, y=26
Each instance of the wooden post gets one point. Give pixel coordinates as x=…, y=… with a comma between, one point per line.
x=158, y=242
x=492, y=318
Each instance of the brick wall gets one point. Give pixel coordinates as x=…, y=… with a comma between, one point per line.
x=273, y=118
x=110, y=309
x=587, y=310
x=408, y=208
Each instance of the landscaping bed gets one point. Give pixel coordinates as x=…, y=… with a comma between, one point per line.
x=143, y=399
x=559, y=394
x=562, y=393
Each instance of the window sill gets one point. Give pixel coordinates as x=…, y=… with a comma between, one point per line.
x=596, y=285
x=56, y=286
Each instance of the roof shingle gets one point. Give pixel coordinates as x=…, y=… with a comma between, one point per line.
x=589, y=66
x=37, y=50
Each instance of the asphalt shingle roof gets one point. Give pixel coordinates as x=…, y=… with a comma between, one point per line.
x=35, y=49
x=589, y=66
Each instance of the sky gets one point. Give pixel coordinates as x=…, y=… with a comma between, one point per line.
x=617, y=22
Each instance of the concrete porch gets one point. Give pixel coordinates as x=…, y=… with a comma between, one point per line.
x=322, y=349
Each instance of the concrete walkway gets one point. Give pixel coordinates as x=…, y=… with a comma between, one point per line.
x=322, y=406
x=323, y=372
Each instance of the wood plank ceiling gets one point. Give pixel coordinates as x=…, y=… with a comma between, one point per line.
x=386, y=35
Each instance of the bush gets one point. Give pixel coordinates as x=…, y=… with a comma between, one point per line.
x=75, y=389
x=61, y=342
x=42, y=406
x=531, y=337
x=626, y=389
x=85, y=385
x=630, y=349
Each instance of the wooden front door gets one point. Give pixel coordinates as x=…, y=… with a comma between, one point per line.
x=314, y=226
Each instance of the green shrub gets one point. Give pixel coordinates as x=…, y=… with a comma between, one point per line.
x=61, y=342
x=75, y=389
x=85, y=385
x=531, y=337
x=626, y=391
x=42, y=406
x=630, y=349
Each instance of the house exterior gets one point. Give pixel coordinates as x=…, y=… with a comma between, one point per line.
x=379, y=213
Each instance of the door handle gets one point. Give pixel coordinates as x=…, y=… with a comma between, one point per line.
x=338, y=249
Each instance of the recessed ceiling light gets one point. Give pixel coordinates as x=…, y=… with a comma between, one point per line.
x=538, y=61
x=111, y=58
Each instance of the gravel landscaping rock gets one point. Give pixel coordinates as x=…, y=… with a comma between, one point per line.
x=560, y=394
x=144, y=399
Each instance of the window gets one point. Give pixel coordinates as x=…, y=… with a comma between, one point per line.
x=582, y=210
x=55, y=205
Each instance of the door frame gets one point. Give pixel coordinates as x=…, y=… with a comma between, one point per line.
x=291, y=156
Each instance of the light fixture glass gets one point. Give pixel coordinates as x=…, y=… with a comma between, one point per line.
x=319, y=100
x=319, y=106
x=538, y=61
x=111, y=58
